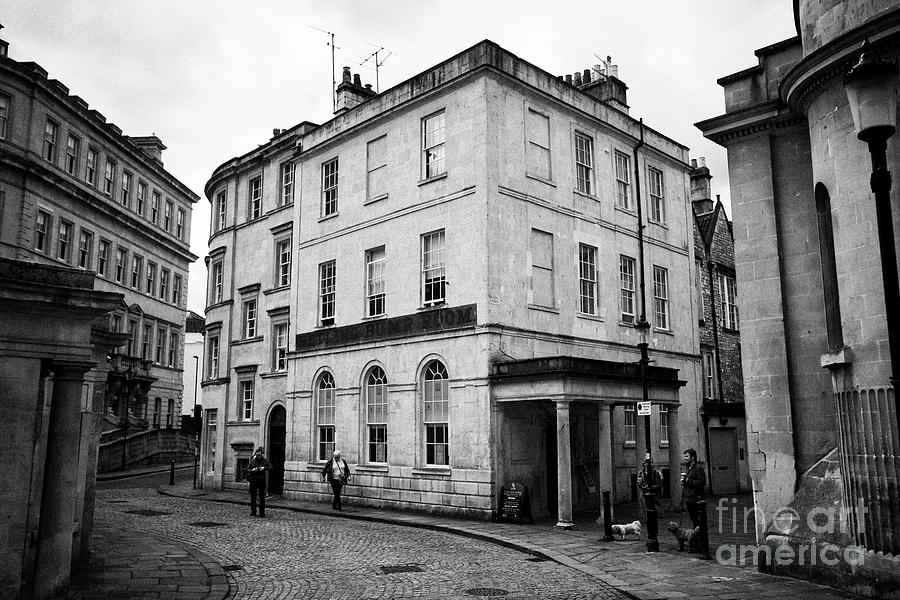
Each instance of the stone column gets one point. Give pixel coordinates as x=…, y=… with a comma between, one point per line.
x=563, y=466
x=675, y=453
x=54, y=551
x=605, y=470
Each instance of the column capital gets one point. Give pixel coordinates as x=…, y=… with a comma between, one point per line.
x=70, y=370
x=562, y=404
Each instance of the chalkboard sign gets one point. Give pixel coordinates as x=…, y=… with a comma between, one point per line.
x=514, y=503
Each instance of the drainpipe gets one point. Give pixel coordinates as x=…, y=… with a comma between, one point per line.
x=637, y=194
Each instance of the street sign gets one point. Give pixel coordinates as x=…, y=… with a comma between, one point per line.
x=643, y=409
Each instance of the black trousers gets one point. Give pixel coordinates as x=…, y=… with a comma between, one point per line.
x=693, y=512
x=258, y=487
x=336, y=485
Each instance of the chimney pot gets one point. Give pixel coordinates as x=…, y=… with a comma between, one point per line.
x=569, y=79
x=275, y=132
x=586, y=77
x=702, y=161
x=346, y=75
x=694, y=163
x=577, y=79
x=369, y=86
x=356, y=80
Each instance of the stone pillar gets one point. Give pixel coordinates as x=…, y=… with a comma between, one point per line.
x=563, y=466
x=54, y=552
x=675, y=452
x=605, y=470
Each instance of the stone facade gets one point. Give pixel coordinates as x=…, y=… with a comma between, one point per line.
x=76, y=242
x=414, y=245
x=815, y=344
x=75, y=191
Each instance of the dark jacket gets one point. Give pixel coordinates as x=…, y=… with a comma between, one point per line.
x=257, y=467
x=653, y=483
x=694, y=484
x=343, y=472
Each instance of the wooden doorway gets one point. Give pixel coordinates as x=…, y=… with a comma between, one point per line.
x=723, y=465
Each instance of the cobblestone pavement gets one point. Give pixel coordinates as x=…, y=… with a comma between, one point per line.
x=300, y=555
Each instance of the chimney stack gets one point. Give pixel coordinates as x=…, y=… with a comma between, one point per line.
x=351, y=92
x=701, y=188
x=151, y=145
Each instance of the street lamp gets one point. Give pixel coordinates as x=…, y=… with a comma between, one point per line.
x=643, y=328
x=871, y=87
x=195, y=420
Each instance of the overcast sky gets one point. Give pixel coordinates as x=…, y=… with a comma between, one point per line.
x=213, y=78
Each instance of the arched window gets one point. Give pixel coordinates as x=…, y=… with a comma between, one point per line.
x=325, y=415
x=376, y=415
x=436, y=414
x=829, y=269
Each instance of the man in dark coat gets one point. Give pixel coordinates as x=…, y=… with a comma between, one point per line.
x=693, y=484
x=256, y=475
x=337, y=473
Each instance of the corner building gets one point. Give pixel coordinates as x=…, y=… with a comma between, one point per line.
x=442, y=282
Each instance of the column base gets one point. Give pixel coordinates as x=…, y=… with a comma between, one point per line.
x=565, y=525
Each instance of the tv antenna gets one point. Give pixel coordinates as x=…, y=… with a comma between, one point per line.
x=606, y=63
x=333, y=80
x=378, y=62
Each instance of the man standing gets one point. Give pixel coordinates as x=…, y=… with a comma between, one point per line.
x=337, y=473
x=693, y=484
x=256, y=475
x=650, y=480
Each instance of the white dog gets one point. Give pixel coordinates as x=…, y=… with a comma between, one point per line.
x=621, y=531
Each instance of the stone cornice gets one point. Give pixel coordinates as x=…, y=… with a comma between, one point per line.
x=757, y=119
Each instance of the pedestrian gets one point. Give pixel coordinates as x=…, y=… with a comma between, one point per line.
x=256, y=475
x=650, y=480
x=693, y=484
x=337, y=473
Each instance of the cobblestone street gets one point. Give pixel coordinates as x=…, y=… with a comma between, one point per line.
x=300, y=555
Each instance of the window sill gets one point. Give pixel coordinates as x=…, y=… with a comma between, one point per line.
x=432, y=179
x=375, y=199
x=216, y=381
x=548, y=309
x=375, y=317
x=629, y=444
x=273, y=375
x=329, y=326
x=729, y=330
x=280, y=208
x=578, y=192
x=627, y=211
x=372, y=468
x=664, y=444
x=252, y=340
x=589, y=317
x=658, y=223
x=541, y=179
x=434, y=306
x=275, y=290
x=328, y=217
x=431, y=472
x=663, y=331
x=255, y=422
x=219, y=304
x=316, y=465
x=626, y=323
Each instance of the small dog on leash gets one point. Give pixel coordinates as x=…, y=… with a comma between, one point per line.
x=691, y=537
x=621, y=531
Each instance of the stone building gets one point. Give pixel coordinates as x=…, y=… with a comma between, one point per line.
x=94, y=238
x=444, y=282
x=821, y=413
x=721, y=384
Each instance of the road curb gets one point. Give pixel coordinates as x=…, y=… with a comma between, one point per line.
x=530, y=549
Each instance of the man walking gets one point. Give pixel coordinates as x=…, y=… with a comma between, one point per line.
x=256, y=475
x=337, y=473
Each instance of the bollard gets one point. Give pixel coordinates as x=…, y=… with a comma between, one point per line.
x=172, y=473
x=607, y=518
x=652, y=524
x=704, y=530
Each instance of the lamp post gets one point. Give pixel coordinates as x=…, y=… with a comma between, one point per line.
x=195, y=421
x=643, y=328
x=871, y=87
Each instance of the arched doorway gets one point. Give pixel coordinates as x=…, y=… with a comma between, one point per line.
x=277, y=423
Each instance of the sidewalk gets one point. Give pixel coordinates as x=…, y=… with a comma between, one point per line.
x=622, y=564
x=141, y=471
